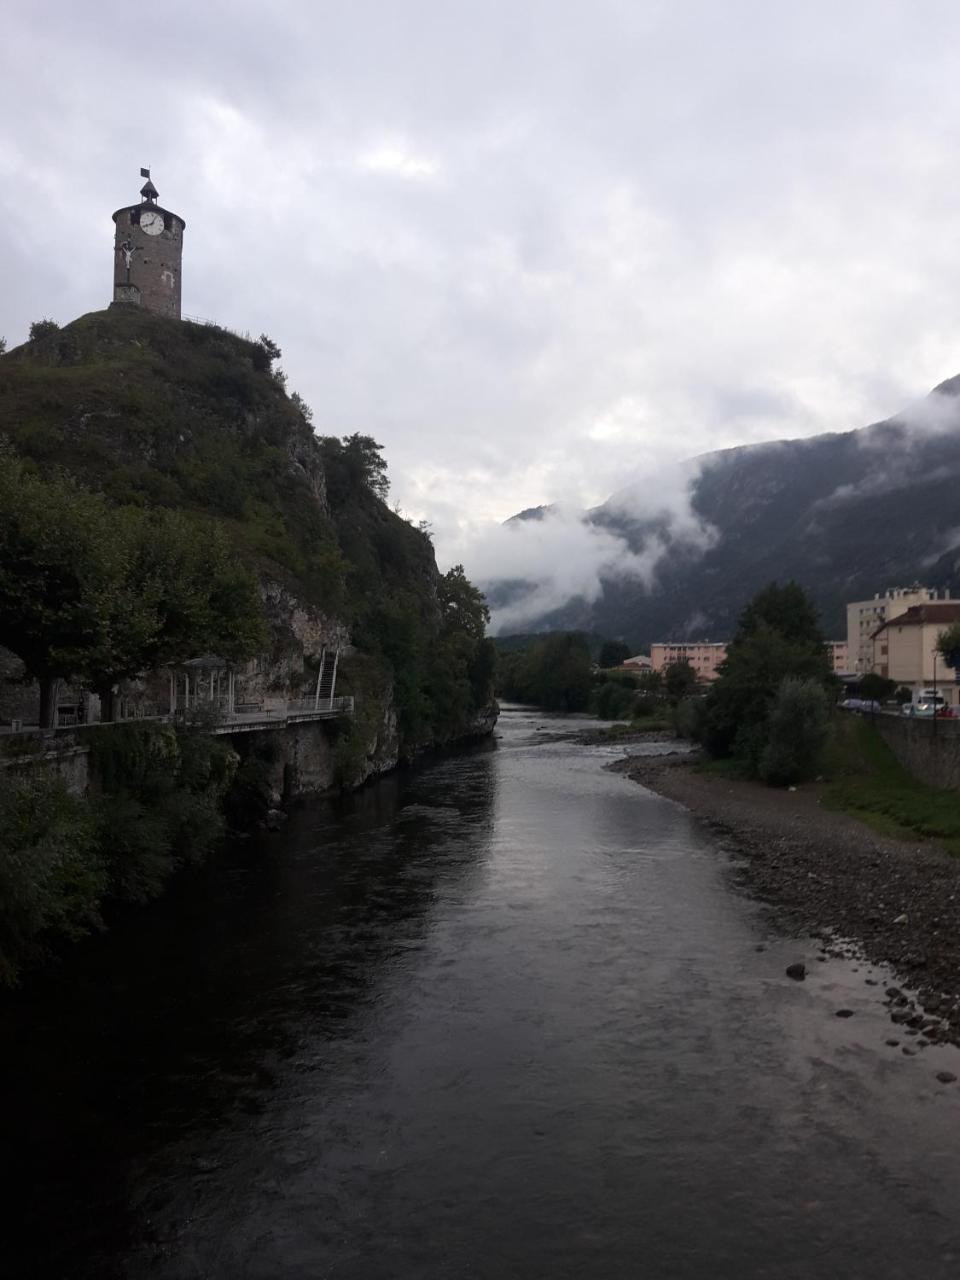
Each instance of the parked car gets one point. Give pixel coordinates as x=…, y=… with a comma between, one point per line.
x=926, y=706
x=862, y=706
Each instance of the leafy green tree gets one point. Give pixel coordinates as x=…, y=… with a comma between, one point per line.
x=356, y=462
x=796, y=733
x=613, y=653
x=778, y=635
x=176, y=592
x=553, y=673
x=51, y=873
x=614, y=701
x=948, y=645
x=42, y=329
x=462, y=606
x=650, y=683
x=106, y=593
x=875, y=687
x=57, y=557
x=298, y=401
x=679, y=680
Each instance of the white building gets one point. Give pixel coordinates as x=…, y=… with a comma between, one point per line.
x=865, y=616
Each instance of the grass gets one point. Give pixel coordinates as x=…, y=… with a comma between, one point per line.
x=867, y=781
x=656, y=723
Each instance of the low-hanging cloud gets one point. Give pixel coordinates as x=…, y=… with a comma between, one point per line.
x=562, y=556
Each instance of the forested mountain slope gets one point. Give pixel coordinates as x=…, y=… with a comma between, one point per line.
x=845, y=515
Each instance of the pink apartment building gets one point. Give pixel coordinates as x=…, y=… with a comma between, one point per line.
x=704, y=658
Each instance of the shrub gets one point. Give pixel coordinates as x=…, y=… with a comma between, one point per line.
x=796, y=733
x=613, y=701
x=51, y=875
x=42, y=329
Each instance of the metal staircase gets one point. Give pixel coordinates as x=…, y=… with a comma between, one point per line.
x=326, y=679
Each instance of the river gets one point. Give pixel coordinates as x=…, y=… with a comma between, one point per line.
x=506, y=1017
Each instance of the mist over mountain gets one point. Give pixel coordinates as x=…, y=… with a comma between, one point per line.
x=677, y=554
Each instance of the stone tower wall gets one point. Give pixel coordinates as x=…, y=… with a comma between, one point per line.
x=155, y=261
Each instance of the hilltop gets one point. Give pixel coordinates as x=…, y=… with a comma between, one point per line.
x=171, y=414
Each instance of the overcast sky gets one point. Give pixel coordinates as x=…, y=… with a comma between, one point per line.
x=532, y=246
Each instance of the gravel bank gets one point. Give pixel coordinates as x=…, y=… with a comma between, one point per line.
x=828, y=876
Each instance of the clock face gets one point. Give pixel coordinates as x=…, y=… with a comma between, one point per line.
x=151, y=223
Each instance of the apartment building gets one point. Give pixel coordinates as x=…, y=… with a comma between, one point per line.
x=905, y=649
x=839, y=657
x=703, y=657
x=865, y=616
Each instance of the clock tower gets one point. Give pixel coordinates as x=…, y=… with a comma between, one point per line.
x=147, y=251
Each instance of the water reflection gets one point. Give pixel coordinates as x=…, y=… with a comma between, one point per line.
x=503, y=1017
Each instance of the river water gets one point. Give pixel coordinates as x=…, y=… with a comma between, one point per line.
x=505, y=1017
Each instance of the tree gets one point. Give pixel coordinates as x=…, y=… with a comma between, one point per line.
x=178, y=592
x=650, y=683
x=948, y=645
x=462, y=606
x=57, y=555
x=354, y=463
x=553, y=673
x=875, y=687
x=679, y=680
x=297, y=400
x=3, y=346
x=613, y=653
x=777, y=636
x=796, y=733
x=106, y=593
x=42, y=329
x=270, y=347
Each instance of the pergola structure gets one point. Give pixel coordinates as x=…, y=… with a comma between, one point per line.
x=206, y=681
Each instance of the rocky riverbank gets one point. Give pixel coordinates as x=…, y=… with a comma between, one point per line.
x=828, y=877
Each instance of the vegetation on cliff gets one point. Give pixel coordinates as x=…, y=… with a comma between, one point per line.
x=124, y=411
x=158, y=490
x=64, y=857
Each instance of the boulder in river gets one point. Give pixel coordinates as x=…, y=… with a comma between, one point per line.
x=797, y=971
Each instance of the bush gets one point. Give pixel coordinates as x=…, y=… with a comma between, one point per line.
x=614, y=701
x=687, y=717
x=42, y=329
x=796, y=733
x=51, y=875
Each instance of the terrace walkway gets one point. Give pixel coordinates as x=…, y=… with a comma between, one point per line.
x=252, y=719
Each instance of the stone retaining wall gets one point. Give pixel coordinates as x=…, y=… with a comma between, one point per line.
x=928, y=751
x=40, y=757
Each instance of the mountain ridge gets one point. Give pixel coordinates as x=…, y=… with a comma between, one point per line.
x=846, y=514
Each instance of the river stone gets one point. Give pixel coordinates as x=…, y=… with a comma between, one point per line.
x=946, y=1077
x=844, y=1013
x=797, y=971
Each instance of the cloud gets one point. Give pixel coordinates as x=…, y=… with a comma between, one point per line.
x=397, y=159
x=555, y=560
x=535, y=566
x=532, y=249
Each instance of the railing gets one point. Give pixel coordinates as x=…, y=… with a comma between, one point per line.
x=215, y=324
x=252, y=714
x=342, y=705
